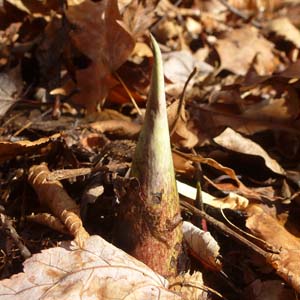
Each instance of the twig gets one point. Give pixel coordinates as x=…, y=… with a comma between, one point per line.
x=6, y=222
x=239, y=13
x=242, y=240
x=129, y=94
x=181, y=102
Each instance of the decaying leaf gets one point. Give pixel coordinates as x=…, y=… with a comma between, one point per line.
x=234, y=141
x=98, y=270
x=52, y=194
x=100, y=36
x=202, y=245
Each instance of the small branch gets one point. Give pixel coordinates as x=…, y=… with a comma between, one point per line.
x=228, y=231
x=6, y=222
x=239, y=13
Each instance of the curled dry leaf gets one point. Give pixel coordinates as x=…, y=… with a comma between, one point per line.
x=99, y=35
x=48, y=220
x=228, y=171
x=234, y=141
x=9, y=150
x=202, y=245
x=98, y=270
x=52, y=194
x=286, y=262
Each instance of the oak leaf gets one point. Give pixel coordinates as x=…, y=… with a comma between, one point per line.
x=100, y=36
x=98, y=270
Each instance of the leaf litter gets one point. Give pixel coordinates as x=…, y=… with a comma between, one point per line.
x=239, y=114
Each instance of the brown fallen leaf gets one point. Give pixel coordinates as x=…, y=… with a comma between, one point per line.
x=239, y=47
x=119, y=127
x=105, y=41
x=9, y=150
x=234, y=141
x=286, y=262
x=241, y=188
x=52, y=194
x=98, y=270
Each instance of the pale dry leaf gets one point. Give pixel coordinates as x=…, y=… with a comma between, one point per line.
x=100, y=35
x=190, y=286
x=11, y=86
x=202, y=245
x=178, y=65
x=232, y=201
x=283, y=27
x=96, y=271
x=234, y=141
x=238, y=48
x=286, y=262
x=9, y=150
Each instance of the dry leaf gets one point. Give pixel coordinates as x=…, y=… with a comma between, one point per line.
x=9, y=150
x=241, y=188
x=202, y=245
x=191, y=286
x=123, y=128
x=100, y=36
x=181, y=135
x=49, y=221
x=36, y=8
x=178, y=65
x=96, y=271
x=233, y=141
x=11, y=86
x=283, y=27
x=286, y=262
x=238, y=48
